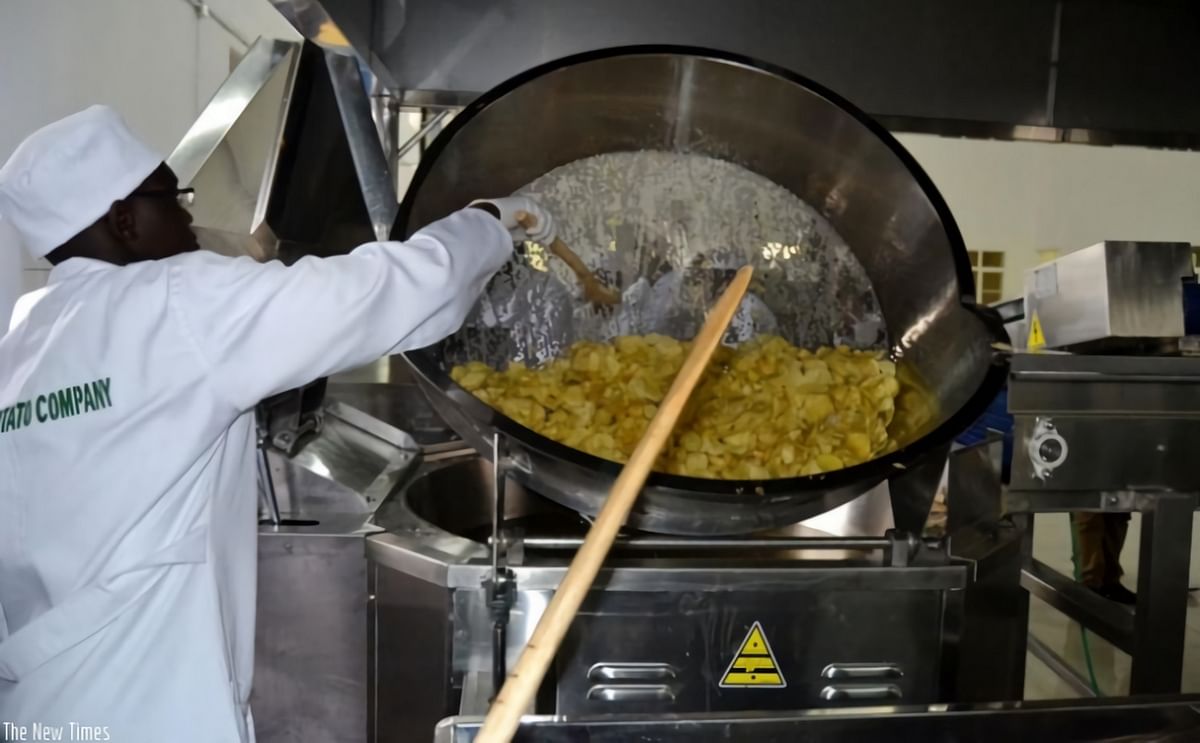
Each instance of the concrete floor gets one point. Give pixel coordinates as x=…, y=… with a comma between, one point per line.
x=1052, y=545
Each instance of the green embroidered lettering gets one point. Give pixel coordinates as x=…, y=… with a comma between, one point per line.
x=22, y=415
x=66, y=403
x=103, y=394
x=55, y=406
x=51, y=406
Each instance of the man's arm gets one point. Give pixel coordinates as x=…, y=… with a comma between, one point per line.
x=266, y=328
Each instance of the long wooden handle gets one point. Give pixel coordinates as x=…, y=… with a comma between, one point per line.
x=558, y=248
x=571, y=258
x=523, y=682
x=593, y=289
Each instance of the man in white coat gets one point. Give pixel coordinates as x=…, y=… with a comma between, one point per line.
x=127, y=385
x=11, y=270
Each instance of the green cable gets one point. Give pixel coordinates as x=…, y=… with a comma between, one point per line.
x=1083, y=634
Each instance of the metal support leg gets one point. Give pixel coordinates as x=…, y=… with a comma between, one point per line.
x=501, y=592
x=268, y=492
x=913, y=490
x=1162, y=591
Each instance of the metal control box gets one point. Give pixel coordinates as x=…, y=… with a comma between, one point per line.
x=1110, y=296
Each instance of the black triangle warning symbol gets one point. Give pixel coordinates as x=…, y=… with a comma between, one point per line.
x=754, y=666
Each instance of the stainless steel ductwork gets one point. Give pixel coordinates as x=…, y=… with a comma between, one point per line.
x=1043, y=70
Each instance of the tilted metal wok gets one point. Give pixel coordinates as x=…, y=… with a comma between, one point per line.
x=776, y=124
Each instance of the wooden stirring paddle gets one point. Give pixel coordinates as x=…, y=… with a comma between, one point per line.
x=594, y=290
x=522, y=684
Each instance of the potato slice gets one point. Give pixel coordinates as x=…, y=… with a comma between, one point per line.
x=766, y=409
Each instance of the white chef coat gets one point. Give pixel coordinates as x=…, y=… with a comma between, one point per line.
x=11, y=270
x=127, y=471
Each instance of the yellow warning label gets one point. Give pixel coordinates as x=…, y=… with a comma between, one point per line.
x=754, y=666
x=1036, y=338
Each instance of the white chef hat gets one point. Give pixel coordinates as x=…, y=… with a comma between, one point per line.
x=66, y=175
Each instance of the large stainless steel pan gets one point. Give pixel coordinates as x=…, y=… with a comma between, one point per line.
x=778, y=125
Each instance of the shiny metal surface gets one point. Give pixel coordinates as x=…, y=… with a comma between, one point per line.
x=1138, y=415
x=718, y=544
x=269, y=497
x=868, y=514
x=700, y=635
x=855, y=176
x=444, y=540
x=230, y=154
x=457, y=99
x=310, y=671
x=975, y=492
x=363, y=455
x=846, y=671
x=659, y=630
x=1160, y=616
x=631, y=693
x=913, y=490
x=346, y=27
x=435, y=122
x=316, y=600
x=313, y=21
x=374, y=172
x=311, y=634
x=1114, y=434
x=1111, y=295
x=861, y=693
x=670, y=228
x=1153, y=633
x=273, y=158
x=633, y=672
x=386, y=391
x=1165, y=720
x=1034, y=70
x=1107, y=619
x=410, y=665
x=474, y=47
x=985, y=626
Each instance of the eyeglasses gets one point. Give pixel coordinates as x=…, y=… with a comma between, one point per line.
x=185, y=196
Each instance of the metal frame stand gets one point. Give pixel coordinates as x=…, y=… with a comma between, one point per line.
x=1161, y=615
x=1153, y=633
x=1113, y=434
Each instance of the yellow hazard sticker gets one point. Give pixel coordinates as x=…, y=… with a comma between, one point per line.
x=1036, y=338
x=754, y=665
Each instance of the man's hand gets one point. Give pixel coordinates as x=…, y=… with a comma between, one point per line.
x=524, y=218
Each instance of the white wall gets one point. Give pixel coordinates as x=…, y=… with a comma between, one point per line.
x=1025, y=198
x=156, y=61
